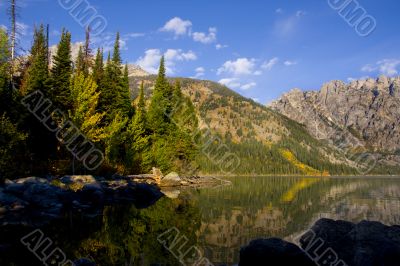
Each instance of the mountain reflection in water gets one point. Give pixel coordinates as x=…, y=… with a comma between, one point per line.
x=216, y=220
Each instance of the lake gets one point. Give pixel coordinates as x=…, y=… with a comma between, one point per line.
x=216, y=221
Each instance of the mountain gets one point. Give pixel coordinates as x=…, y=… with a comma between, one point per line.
x=137, y=71
x=259, y=139
x=361, y=115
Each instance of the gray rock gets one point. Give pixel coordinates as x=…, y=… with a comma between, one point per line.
x=171, y=180
x=363, y=244
x=82, y=179
x=265, y=252
x=29, y=180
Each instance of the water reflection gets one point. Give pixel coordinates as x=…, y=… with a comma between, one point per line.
x=285, y=207
x=217, y=220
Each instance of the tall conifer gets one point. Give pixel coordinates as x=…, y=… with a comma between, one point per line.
x=61, y=73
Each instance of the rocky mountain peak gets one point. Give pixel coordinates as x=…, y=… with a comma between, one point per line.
x=368, y=108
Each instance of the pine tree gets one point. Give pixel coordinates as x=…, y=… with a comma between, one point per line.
x=116, y=53
x=61, y=73
x=125, y=104
x=183, y=114
x=98, y=68
x=107, y=97
x=115, y=89
x=138, y=149
x=160, y=106
x=87, y=54
x=42, y=144
x=37, y=74
x=80, y=62
x=186, y=133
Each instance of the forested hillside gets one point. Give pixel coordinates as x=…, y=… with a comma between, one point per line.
x=261, y=140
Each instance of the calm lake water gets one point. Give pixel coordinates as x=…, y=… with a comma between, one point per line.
x=221, y=219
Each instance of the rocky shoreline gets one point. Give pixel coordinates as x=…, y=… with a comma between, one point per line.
x=35, y=201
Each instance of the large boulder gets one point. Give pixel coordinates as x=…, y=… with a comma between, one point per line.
x=363, y=244
x=171, y=180
x=80, y=181
x=273, y=252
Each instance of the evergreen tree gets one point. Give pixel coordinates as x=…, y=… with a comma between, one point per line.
x=87, y=54
x=125, y=104
x=80, y=62
x=138, y=153
x=42, y=144
x=98, y=68
x=117, y=53
x=160, y=106
x=186, y=133
x=36, y=77
x=61, y=73
x=115, y=89
x=107, y=97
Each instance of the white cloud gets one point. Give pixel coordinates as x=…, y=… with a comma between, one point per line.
x=135, y=35
x=4, y=27
x=200, y=69
x=230, y=82
x=248, y=86
x=241, y=66
x=279, y=11
x=290, y=63
x=388, y=67
x=151, y=60
x=256, y=100
x=368, y=68
x=268, y=65
x=220, y=46
x=200, y=72
x=178, y=26
x=234, y=83
x=204, y=37
x=179, y=55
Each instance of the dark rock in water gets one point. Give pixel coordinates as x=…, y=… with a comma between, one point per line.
x=363, y=244
x=37, y=201
x=265, y=252
x=329, y=242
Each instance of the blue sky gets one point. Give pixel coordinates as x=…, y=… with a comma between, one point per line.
x=258, y=48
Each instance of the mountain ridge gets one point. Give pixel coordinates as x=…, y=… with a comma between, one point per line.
x=363, y=114
x=265, y=141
